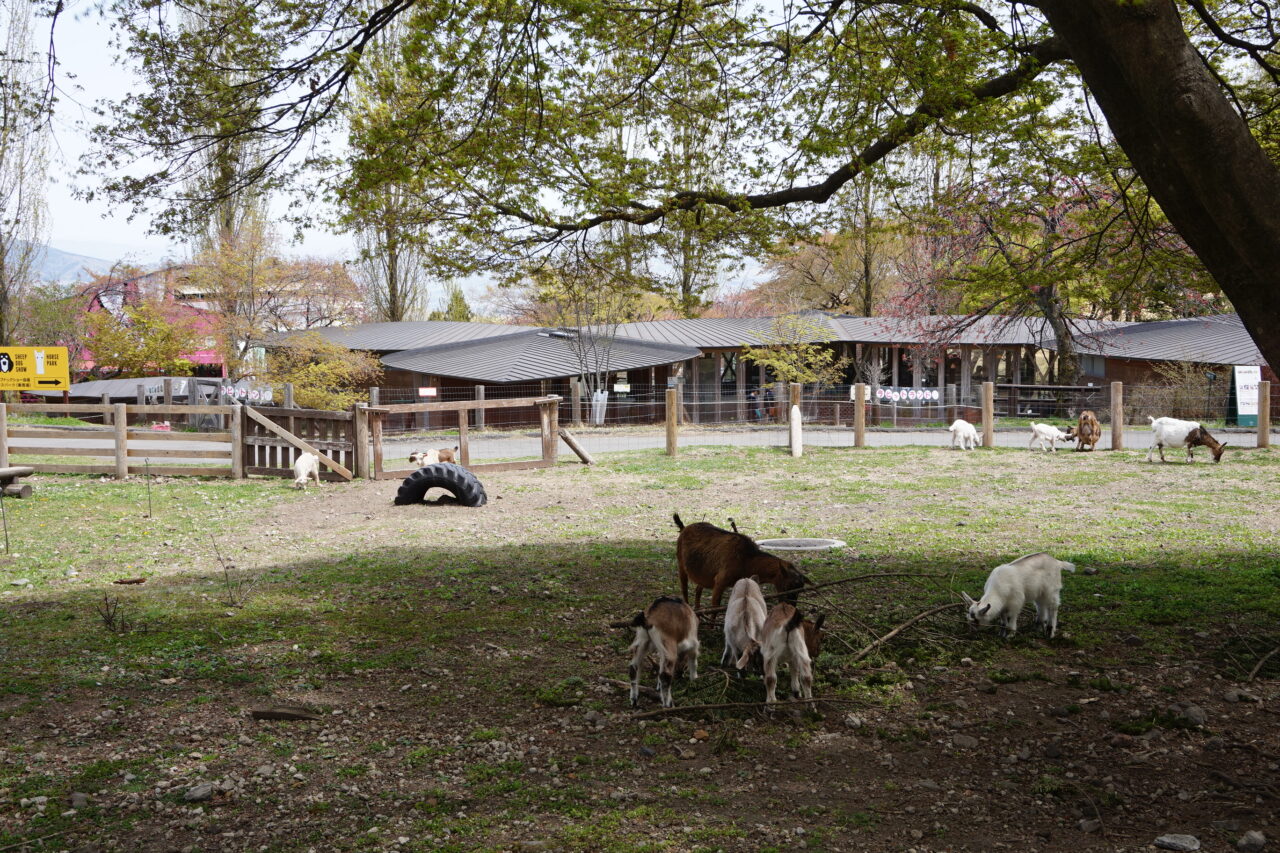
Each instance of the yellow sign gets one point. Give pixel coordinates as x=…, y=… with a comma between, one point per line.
x=34, y=369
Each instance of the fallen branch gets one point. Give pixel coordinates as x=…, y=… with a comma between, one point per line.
x=904, y=626
x=707, y=611
x=16, y=845
x=1257, y=667
x=626, y=685
x=658, y=712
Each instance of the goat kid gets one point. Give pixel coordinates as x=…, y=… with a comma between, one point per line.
x=422, y=458
x=782, y=641
x=965, y=432
x=307, y=465
x=1047, y=436
x=1171, y=432
x=670, y=629
x=1036, y=578
x=716, y=559
x=1086, y=432
x=743, y=619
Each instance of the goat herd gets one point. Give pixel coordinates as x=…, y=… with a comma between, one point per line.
x=1168, y=432
x=762, y=639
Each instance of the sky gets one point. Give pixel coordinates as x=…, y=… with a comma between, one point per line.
x=87, y=74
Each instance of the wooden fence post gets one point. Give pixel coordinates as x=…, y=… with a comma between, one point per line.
x=1117, y=416
x=554, y=432
x=122, y=439
x=988, y=414
x=168, y=391
x=106, y=417
x=796, y=429
x=575, y=402
x=1264, y=413
x=464, y=440
x=288, y=396
x=480, y=411
x=550, y=441
x=142, y=394
x=360, y=420
x=375, y=438
x=860, y=415
x=4, y=435
x=235, y=422
x=779, y=400
x=673, y=408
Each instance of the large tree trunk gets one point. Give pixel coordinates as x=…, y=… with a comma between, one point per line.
x=1191, y=148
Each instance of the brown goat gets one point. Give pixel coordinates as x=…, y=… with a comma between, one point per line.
x=812, y=629
x=716, y=559
x=669, y=628
x=446, y=455
x=1087, y=431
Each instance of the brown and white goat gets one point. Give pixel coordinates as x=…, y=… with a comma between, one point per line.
x=670, y=629
x=1171, y=432
x=1086, y=432
x=716, y=559
x=782, y=641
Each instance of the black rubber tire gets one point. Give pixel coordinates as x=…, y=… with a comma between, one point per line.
x=454, y=479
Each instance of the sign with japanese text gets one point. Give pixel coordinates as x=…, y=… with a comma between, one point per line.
x=34, y=369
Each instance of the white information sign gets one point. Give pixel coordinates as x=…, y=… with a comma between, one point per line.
x=1247, y=378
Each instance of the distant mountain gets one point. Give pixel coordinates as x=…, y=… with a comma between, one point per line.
x=57, y=265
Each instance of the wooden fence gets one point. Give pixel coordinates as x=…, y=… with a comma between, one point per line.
x=548, y=420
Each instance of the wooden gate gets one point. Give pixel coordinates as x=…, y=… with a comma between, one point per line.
x=274, y=438
x=548, y=421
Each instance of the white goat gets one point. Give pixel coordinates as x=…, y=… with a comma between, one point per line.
x=743, y=619
x=1036, y=578
x=670, y=628
x=965, y=432
x=782, y=641
x=1047, y=436
x=1171, y=432
x=307, y=465
x=422, y=458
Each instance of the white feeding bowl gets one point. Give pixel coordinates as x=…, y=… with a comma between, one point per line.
x=800, y=544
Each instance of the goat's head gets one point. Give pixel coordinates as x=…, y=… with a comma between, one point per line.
x=813, y=635
x=790, y=580
x=978, y=614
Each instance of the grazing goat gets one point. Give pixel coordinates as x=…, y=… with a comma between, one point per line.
x=965, y=432
x=670, y=629
x=782, y=641
x=1036, y=578
x=423, y=458
x=307, y=465
x=1047, y=436
x=812, y=629
x=1171, y=432
x=447, y=454
x=715, y=558
x=1086, y=432
x=743, y=619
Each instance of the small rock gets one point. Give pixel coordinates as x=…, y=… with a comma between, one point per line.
x=1252, y=841
x=79, y=800
x=199, y=793
x=1053, y=750
x=265, y=770
x=965, y=741
x=1177, y=841
x=20, y=582
x=647, y=752
x=701, y=734
x=1090, y=824
x=1088, y=570
x=1229, y=825
x=705, y=771
x=1133, y=640
x=1194, y=715
x=966, y=661
x=853, y=721
x=1122, y=741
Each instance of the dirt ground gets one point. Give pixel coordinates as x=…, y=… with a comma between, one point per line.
x=515, y=733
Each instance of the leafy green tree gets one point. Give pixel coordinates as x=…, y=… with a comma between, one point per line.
x=325, y=375
x=792, y=351
x=455, y=306
x=147, y=339
x=507, y=114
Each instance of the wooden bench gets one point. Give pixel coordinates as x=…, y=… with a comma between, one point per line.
x=8, y=481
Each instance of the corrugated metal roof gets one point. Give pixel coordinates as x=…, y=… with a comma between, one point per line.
x=1220, y=339
x=720, y=333
x=960, y=330
x=394, y=337
x=529, y=356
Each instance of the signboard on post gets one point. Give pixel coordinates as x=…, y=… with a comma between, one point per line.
x=34, y=369
x=1247, y=378
x=912, y=396
x=426, y=391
